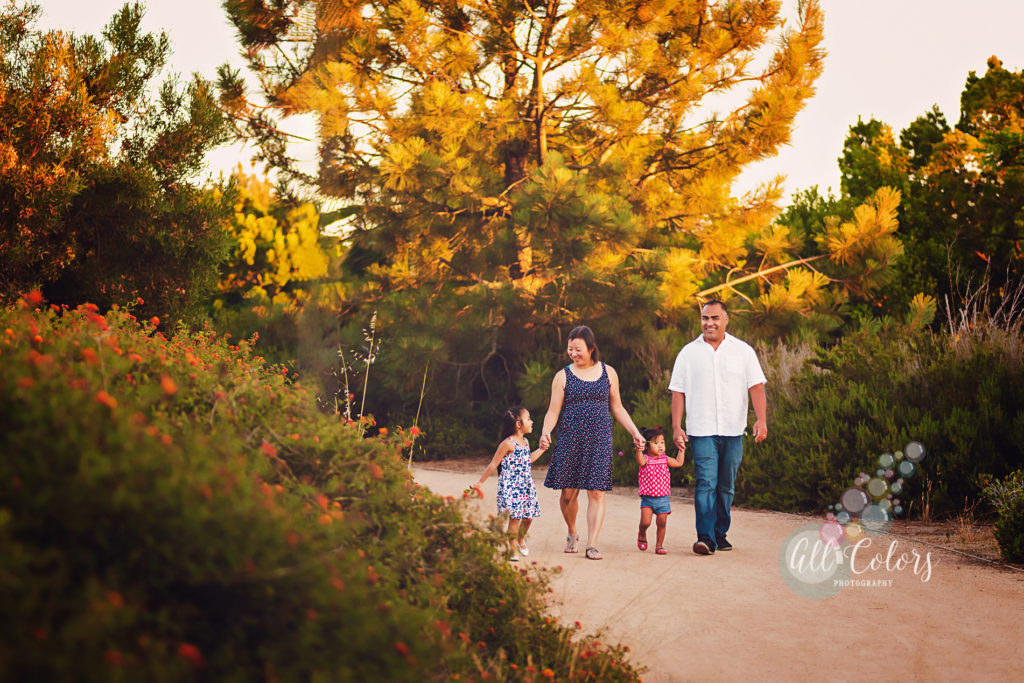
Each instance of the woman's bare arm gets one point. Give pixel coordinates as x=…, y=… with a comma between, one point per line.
x=554, y=408
x=619, y=411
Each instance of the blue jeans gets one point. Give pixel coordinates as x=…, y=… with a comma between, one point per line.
x=715, y=461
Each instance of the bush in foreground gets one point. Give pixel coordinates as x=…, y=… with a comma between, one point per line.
x=178, y=509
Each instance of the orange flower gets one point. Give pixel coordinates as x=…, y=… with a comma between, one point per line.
x=155, y=320
x=547, y=673
x=414, y=430
x=34, y=298
x=191, y=653
x=375, y=470
x=170, y=387
x=402, y=648
x=25, y=382
x=322, y=501
x=268, y=449
x=383, y=431
x=89, y=355
x=106, y=399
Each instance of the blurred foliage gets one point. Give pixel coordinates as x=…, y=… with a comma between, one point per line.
x=488, y=207
x=97, y=201
x=277, y=247
x=178, y=509
x=959, y=392
x=962, y=187
x=1007, y=497
x=280, y=282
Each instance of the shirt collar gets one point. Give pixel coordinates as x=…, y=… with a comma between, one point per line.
x=727, y=339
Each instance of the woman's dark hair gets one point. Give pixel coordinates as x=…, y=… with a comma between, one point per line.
x=583, y=332
x=510, y=421
x=651, y=433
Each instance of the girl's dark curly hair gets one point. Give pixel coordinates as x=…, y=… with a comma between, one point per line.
x=651, y=433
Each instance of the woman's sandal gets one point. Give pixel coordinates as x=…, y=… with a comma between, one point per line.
x=660, y=551
x=572, y=544
x=523, y=550
x=593, y=553
x=641, y=543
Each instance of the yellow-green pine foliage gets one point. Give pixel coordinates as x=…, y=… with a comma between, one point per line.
x=579, y=154
x=277, y=247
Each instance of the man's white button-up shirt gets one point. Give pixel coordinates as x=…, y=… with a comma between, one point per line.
x=716, y=385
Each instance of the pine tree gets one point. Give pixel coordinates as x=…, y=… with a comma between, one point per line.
x=518, y=167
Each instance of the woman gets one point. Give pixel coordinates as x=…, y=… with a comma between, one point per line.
x=589, y=391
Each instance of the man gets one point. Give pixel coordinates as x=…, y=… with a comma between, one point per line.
x=710, y=382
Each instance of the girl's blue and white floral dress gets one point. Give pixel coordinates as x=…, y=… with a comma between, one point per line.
x=516, y=492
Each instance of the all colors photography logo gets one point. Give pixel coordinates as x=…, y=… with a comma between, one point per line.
x=818, y=560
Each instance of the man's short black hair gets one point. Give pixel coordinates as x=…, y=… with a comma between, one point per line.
x=716, y=302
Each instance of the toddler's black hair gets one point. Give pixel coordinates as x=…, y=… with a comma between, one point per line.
x=651, y=433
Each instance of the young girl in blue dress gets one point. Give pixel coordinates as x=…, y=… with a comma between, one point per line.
x=517, y=494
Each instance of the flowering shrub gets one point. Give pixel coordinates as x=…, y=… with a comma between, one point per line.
x=177, y=508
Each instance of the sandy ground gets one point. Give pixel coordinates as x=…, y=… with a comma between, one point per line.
x=731, y=616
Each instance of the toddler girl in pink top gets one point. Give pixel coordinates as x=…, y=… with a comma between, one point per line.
x=654, y=486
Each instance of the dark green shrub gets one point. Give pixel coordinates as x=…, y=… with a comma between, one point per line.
x=176, y=509
x=1007, y=497
x=961, y=396
x=1009, y=531
x=443, y=439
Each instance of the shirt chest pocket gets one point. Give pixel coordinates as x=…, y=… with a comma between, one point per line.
x=734, y=372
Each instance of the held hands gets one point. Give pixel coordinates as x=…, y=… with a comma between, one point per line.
x=545, y=441
x=638, y=441
x=679, y=438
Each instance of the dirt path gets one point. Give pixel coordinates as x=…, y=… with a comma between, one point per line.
x=731, y=616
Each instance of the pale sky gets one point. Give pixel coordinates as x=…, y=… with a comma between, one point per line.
x=890, y=59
